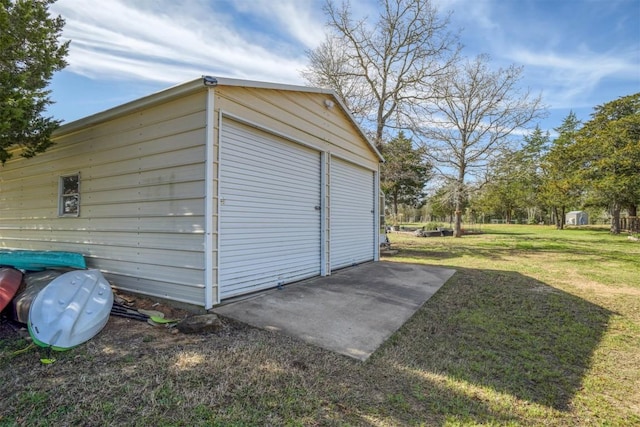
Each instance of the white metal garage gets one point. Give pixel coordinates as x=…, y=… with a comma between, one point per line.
x=269, y=210
x=204, y=191
x=352, y=214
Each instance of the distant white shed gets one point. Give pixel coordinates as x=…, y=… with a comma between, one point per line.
x=577, y=218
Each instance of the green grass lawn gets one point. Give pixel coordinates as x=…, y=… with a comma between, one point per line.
x=537, y=327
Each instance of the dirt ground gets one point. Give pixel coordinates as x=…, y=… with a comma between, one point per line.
x=120, y=331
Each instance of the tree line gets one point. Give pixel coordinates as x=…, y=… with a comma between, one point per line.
x=438, y=116
x=588, y=165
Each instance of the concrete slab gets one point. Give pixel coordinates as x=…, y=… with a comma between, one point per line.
x=351, y=312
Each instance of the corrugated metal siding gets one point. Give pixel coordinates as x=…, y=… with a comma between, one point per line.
x=352, y=216
x=269, y=213
x=302, y=116
x=142, y=199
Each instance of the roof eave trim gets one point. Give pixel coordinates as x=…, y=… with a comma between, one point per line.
x=224, y=81
x=355, y=123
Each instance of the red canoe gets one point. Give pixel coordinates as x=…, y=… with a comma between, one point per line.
x=10, y=280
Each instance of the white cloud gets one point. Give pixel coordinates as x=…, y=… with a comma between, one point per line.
x=578, y=56
x=302, y=20
x=165, y=43
x=477, y=13
x=571, y=78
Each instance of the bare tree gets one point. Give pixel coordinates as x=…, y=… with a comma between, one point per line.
x=380, y=69
x=470, y=118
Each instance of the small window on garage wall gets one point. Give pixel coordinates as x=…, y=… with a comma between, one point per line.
x=69, y=195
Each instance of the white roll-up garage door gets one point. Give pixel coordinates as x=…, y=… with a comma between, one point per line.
x=352, y=214
x=269, y=210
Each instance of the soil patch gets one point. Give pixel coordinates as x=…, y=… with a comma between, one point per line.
x=121, y=332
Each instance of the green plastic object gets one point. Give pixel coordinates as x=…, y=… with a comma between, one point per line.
x=41, y=260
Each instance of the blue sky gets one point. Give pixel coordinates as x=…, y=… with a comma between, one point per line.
x=577, y=53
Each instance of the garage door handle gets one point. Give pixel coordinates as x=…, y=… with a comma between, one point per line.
x=318, y=208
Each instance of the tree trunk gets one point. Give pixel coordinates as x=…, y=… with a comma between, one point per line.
x=379, y=132
x=559, y=220
x=457, y=226
x=615, y=218
x=395, y=206
x=531, y=215
x=395, y=209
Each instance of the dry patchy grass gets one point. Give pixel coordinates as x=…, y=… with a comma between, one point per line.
x=537, y=327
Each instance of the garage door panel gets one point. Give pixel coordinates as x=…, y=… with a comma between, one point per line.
x=352, y=214
x=256, y=153
x=260, y=265
x=276, y=174
x=256, y=160
x=249, y=280
x=269, y=222
x=268, y=216
x=277, y=251
x=278, y=199
x=267, y=233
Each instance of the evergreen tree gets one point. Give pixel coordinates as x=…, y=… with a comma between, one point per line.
x=515, y=179
x=609, y=149
x=30, y=53
x=404, y=173
x=561, y=186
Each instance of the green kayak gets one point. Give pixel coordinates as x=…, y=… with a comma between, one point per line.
x=40, y=260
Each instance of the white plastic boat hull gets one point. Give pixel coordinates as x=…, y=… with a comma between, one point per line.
x=70, y=310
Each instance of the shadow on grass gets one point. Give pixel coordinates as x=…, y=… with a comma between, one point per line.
x=566, y=244
x=505, y=331
x=490, y=347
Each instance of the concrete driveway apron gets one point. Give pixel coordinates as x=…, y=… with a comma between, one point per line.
x=352, y=311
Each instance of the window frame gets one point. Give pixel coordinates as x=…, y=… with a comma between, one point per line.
x=64, y=194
